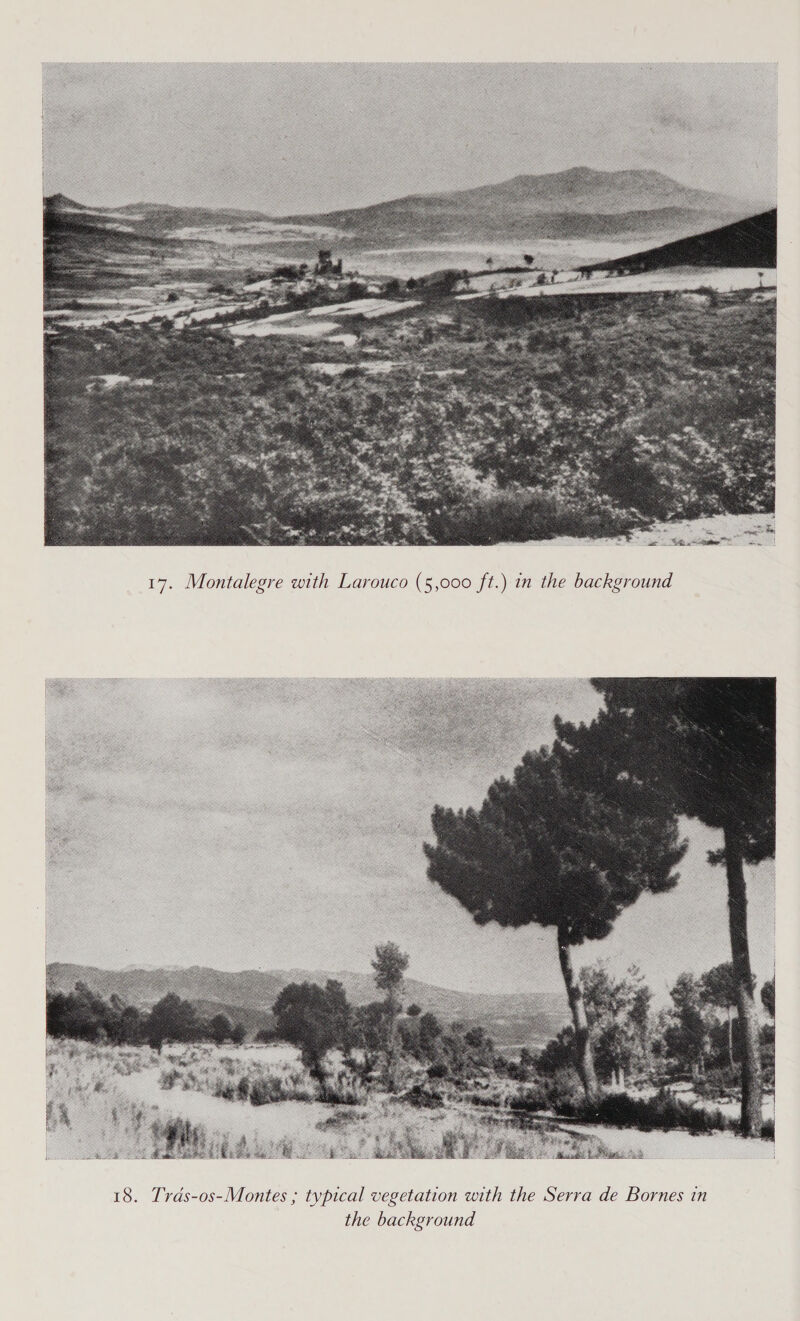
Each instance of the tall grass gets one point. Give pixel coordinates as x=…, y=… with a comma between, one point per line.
x=260, y=1081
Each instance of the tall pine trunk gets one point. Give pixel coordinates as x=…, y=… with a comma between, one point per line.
x=584, y=1061
x=750, y=1045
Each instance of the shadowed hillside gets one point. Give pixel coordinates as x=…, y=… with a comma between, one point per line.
x=750, y=242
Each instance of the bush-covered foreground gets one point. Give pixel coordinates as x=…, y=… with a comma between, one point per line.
x=93, y=1112
x=464, y=425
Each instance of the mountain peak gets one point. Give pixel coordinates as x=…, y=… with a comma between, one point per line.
x=58, y=200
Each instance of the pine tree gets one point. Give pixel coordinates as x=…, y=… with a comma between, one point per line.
x=568, y=842
x=708, y=746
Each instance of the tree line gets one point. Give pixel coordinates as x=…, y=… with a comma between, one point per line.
x=695, y=1035
x=405, y=1049
x=86, y=1016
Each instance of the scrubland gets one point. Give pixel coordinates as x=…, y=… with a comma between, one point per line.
x=451, y=423
x=111, y=1102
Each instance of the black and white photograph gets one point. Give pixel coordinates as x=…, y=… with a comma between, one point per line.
x=381, y=304
x=410, y=918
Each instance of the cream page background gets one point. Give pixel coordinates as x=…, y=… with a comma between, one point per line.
x=82, y=612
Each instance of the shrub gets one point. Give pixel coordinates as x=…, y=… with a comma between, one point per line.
x=670, y=416
x=662, y=1111
x=269, y=1087
x=536, y=1096
x=520, y=514
x=429, y=1098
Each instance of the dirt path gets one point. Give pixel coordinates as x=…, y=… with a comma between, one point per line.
x=716, y=530
x=279, y=1121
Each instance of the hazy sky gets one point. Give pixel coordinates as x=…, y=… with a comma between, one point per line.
x=286, y=138
x=279, y=824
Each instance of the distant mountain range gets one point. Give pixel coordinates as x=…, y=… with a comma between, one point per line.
x=577, y=203
x=247, y=997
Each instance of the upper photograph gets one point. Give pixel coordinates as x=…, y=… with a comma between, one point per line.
x=409, y=304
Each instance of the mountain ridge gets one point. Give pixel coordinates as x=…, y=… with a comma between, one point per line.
x=566, y=203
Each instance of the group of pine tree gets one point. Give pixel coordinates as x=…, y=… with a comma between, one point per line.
x=584, y=827
x=581, y=830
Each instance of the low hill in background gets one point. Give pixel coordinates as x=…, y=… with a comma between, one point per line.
x=247, y=997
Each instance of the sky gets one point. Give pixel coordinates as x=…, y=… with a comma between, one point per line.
x=279, y=824
x=305, y=138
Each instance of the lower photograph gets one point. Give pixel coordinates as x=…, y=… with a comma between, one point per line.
x=410, y=918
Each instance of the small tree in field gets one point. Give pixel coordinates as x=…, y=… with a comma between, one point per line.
x=390, y=965
x=313, y=1018
x=172, y=1019
x=569, y=842
x=220, y=1028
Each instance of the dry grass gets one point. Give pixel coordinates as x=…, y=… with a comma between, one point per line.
x=89, y=1116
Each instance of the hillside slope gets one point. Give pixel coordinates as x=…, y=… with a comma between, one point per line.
x=751, y=242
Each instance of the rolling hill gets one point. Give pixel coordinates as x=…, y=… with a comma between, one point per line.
x=248, y=996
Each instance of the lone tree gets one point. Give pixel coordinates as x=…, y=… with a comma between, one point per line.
x=172, y=1019
x=568, y=842
x=389, y=966
x=220, y=1028
x=708, y=746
